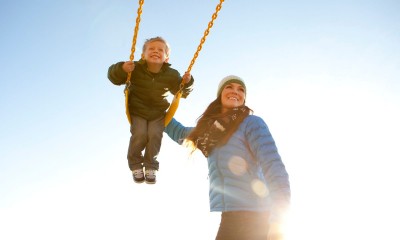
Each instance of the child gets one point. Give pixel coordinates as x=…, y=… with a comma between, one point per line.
x=151, y=79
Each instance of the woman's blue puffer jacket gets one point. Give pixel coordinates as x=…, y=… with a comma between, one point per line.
x=247, y=173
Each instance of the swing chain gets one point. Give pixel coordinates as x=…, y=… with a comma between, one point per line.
x=202, y=41
x=206, y=32
x=131, y=57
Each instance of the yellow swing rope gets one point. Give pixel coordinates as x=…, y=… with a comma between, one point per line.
x=128, y=79
x=175, y=102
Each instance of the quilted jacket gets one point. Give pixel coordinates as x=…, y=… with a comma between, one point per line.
x=247, y=173
x=148, y=92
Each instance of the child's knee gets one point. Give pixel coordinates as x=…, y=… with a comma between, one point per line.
x=156, y=133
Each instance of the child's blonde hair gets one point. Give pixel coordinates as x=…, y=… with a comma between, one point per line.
x=155, y=39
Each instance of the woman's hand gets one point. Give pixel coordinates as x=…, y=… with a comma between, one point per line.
x=275, y=232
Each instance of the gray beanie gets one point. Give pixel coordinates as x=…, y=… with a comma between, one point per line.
x=230, y=79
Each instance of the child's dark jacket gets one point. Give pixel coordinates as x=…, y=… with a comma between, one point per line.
x=148, y=91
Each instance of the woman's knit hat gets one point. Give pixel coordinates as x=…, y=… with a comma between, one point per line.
x=230, y=79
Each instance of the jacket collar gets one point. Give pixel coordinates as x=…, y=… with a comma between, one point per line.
x=144, y=64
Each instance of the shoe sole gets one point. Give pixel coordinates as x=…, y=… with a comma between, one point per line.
x=150, y=182
x=142, y=181
x=138, y=180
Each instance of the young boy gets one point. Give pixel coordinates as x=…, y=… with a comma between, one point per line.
x=151, y=79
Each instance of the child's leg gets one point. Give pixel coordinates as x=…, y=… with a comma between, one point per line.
x=137, y=142
x=155, y=134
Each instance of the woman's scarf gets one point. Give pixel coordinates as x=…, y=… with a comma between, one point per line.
x=218, y=129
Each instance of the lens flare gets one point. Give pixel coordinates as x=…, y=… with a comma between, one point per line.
x=237, y=166
x=259, y=188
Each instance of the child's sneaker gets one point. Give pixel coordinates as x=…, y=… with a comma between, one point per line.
x=138, y=175
x=150, y=176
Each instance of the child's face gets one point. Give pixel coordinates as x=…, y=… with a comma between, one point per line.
x=155, y=53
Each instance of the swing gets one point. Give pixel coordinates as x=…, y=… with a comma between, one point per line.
x=175, y=101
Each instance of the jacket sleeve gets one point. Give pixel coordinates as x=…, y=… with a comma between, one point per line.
x=116, y=75
x=187, y=88
x=263, y=147
x=176, y=131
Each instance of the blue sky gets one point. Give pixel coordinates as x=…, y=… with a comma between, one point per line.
x=323, y=74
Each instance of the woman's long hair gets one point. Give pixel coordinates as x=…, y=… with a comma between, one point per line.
x=212, y=113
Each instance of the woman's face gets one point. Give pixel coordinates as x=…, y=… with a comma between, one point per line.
x=232, y=96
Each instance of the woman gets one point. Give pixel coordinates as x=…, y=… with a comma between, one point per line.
x=248, y=180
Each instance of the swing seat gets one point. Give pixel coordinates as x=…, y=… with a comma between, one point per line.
x=168, y=116
x=128, y=115
x=172, y=109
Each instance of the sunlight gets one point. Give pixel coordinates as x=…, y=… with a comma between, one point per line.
x=237, y=165
x=259, y=188
x=335, y=182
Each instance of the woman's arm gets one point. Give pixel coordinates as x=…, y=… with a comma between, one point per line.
x=176, y=131
x=265, y=151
